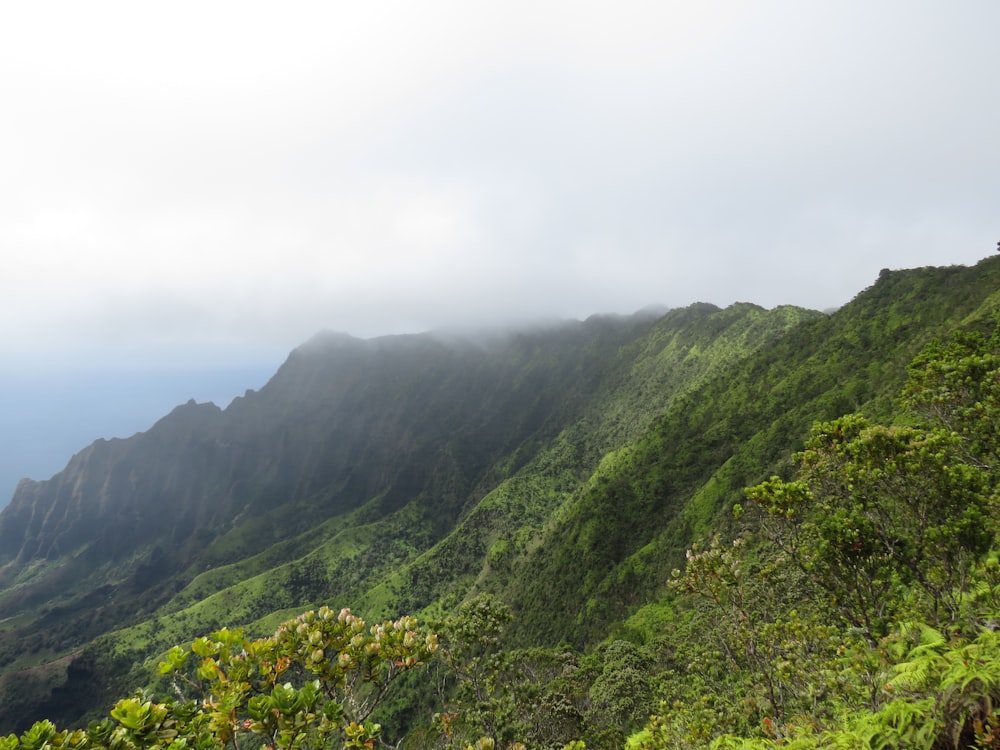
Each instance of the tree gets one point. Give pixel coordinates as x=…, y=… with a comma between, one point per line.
x=510, y=697
x=773, y=652
x=313, y=683
x=874, y=509
x=621, y=698
x=955, y=385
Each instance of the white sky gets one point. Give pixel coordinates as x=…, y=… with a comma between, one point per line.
x=211, y=180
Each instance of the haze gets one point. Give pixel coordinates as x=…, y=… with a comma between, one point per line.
x=203, y=186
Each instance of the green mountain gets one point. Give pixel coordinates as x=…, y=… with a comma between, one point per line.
x=564, y=470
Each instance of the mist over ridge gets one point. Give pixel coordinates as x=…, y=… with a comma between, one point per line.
x=54, y=413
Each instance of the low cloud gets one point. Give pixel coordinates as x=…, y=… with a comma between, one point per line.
x=225, y=179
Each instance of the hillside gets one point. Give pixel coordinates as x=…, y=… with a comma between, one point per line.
x=564, y=470
x=354, y=460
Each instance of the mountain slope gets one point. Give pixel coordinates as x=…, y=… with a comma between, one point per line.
x=633, y=522
x=564, y=469
x=334, y=480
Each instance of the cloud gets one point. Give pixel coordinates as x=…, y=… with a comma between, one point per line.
x=234, y=176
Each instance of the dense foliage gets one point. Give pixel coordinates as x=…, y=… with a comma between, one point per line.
x=314, y=683
x=859, y=607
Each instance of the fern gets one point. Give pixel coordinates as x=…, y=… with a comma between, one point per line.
x=904, y=723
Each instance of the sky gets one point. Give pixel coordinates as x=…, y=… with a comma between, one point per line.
x=202, y=186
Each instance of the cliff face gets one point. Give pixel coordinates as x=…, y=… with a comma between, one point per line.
x=350, y=419
x=114, y=495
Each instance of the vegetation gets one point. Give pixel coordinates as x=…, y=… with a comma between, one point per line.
x=315, y=682
x=759, y=528
x=859, y=606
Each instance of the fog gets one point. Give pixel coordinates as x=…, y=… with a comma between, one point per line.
x=203, y=186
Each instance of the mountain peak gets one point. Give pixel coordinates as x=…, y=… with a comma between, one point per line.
x=326, y=340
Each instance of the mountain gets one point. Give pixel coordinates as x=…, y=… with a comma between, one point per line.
x=564, y=469
x=51, y=412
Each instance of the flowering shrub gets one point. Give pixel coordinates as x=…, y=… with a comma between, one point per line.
x=313, y=683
